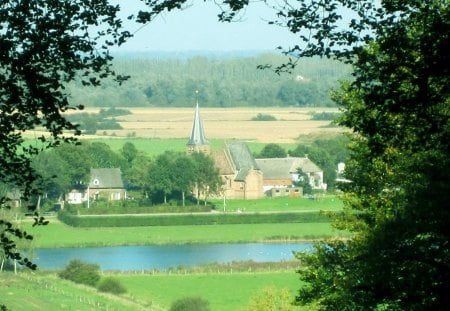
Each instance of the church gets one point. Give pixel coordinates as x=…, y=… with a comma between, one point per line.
x=245, y=177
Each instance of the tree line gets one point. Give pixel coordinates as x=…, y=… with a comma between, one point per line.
x=223, y=82
x=169, y=176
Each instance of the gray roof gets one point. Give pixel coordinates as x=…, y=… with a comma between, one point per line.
x=242, y=158
x=198, y=132
x=282, y=168
x=106, y=178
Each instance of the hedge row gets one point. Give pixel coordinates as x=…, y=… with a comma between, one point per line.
x=189, y=219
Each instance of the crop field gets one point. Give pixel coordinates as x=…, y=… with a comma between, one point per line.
x=223, y=124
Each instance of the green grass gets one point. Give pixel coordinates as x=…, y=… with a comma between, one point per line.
x=25, y=291
x=155, y=146
x=57, y=234
x=282, y=204
x=225, y=292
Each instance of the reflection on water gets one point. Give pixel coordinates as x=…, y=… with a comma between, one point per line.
x=167, y=256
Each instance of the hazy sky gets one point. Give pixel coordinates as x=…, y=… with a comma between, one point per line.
x=197, y=28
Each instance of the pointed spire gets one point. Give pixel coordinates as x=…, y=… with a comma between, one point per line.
x=198, y=133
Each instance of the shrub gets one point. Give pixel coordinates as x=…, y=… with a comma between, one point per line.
x=325, y=116
x=264, y=117
x=190, y=304
x=269, y=299
x=111, y=285
x=81, y=272
x=190, y=219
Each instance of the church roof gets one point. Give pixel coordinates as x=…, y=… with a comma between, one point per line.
x=198, y=132
x=242, y=159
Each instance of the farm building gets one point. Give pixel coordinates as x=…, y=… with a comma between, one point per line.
x=105, y=183
x=283, y=172
x=244, y=176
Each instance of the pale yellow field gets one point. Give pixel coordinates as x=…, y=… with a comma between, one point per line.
x=224, y=123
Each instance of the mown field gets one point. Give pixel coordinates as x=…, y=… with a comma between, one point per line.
x=292, y=125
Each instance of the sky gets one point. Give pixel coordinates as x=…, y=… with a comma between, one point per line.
x=197, y=29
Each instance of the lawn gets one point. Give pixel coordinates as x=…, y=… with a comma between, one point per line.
x=282, y=204
x=57, y=234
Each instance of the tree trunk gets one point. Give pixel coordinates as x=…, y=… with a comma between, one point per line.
x=38, y=205
x=182, y=195
x=165, y=198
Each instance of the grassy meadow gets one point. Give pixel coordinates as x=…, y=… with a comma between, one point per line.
x=57, y=234
x=145, y=291
x=220, y=289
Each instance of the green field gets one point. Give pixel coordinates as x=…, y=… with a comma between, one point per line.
x=219, y=289
x=282, y=204
x=31, y=291
x=57, y=234
x=27, y=291
x=154, y=146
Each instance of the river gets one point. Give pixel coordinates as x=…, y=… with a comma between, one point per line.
x=162, y=257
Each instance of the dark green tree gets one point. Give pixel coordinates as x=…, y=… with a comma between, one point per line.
x=396, y=204
x=304, y=182
x=137, y=176
x=159, y=175
x=272, y=151
x=100, y=155
x=129, y=152
x=183, y=176
x=45, y=45
x=206, y=176
x=54, y=172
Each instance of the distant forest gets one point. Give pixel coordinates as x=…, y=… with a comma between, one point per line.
x=221, y=82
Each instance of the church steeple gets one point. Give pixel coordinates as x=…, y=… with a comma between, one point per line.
x=198, y=142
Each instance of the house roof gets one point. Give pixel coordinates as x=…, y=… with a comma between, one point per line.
x=104, y=178
x=198, y=132
x=283, y=168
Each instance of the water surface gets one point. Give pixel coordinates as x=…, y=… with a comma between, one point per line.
x=162, y=257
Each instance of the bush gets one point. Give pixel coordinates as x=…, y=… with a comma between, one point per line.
x=270, y=298
x=81, y=272
x=190, y=304
x=264, y=117
x=325, y=116
x=111, y=285
x=190, y=219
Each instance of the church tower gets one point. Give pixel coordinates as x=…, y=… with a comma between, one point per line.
x=197, y=142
